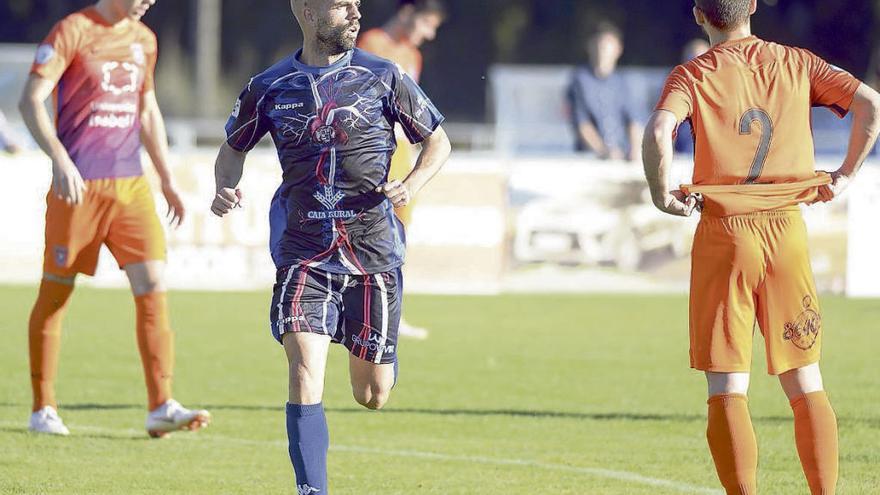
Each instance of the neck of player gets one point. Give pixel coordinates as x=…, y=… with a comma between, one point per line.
x=314, y=53
x=110, y=13
x=716, y=37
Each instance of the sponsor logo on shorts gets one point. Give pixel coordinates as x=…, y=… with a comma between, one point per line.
x=291, y=319
x=60, y=254
x=804, y=330
x=288, y=106
x=373, y=344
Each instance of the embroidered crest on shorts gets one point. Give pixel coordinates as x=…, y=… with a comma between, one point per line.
x=804, y=330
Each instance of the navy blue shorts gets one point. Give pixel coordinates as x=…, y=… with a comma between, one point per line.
x=361, y=312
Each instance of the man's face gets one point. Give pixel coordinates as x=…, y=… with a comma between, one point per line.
x=423, y=27
x=337, y=23
x=135, y=8
x=605, y=50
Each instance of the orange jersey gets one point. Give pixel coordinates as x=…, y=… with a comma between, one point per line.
x=378, y=42
x=749, y=103
x=101, y=71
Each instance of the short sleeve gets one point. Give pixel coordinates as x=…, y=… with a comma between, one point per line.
x=246, y=125
x=412, y=109
x=56, y=52
x=676, y=96
x=151, y=55
x=831, y=86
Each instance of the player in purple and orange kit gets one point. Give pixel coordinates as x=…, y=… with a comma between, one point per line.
x=331, y=110
x=748, y=102
x=400, y=40
x=99, y=65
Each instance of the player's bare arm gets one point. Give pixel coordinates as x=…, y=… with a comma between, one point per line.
x=227, y=173
x=657, y=150
x=435, y=151
x=155, y=141
x=865, y=109
x=67, y=183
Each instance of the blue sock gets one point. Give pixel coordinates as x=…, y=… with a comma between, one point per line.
x=308, y=443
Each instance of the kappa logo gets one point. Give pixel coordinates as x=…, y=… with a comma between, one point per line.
x=236, y=109
x=804, y=330
x=306, y=490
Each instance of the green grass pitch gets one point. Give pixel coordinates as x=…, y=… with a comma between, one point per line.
x=511, y=395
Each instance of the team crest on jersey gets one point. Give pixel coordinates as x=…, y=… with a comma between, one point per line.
x=804, y=330
x=45, y=53
x=137, y=52
x=119, y=77
x=60, y=253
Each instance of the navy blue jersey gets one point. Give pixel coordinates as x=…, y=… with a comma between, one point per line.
x=333, y=128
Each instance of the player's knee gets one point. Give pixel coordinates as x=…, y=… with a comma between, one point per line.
x=372, y=396
x=306, y=385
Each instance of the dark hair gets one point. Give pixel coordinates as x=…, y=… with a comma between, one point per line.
x=425, y=6
x=725, y=14
x=606, y=27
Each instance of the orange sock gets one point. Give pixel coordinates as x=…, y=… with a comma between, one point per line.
x=44, y=340
x=815, y=432
x=156, y=344
x=733, y=444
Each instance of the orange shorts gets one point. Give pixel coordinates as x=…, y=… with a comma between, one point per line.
x=752, y=267
x=117, y=212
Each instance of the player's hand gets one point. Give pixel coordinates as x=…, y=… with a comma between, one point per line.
x=839, y=183
x=397, y=192
x=226, y=199
x=176, y=211
x=67, y=183
x=678, y=203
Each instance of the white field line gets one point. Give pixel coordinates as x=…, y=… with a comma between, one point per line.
x=626, y=476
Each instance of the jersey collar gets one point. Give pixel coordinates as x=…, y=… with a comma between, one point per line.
x=320, y=71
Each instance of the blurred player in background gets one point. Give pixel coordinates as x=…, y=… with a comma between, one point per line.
x=749, y=103
x=99, y=63
x=399, y=40
x=605, y=119
x=331, y=110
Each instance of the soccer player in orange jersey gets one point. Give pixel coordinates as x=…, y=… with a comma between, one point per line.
x=99, y=64
x=749, y=101
x=399, y=40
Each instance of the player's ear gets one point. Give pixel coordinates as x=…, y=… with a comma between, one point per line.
x=753, y=6
x=699, y=18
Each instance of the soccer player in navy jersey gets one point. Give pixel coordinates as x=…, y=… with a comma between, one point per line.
x=338, y=247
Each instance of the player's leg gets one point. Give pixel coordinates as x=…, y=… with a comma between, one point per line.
x=137, y=241
x=307, y=433
x=304, y=316
x=722, y=317
x=371, y=323
x=792, y=328
x=72, y=245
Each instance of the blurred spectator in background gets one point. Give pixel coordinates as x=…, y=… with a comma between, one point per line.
x=8, y=141
x=684, y=138
x=603, y=113
x=414, y=23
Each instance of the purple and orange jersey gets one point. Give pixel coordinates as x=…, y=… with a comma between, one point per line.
x=333, y=128
x=101, y=72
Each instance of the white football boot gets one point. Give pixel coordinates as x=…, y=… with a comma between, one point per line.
x=171, y=416
x=47, y=420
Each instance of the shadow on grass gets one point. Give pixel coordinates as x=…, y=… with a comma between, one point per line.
x=510, y=413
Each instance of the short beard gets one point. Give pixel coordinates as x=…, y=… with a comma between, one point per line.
x=335, y=41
